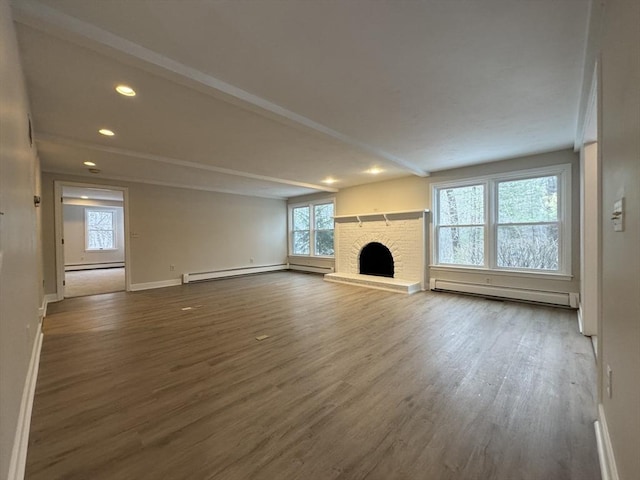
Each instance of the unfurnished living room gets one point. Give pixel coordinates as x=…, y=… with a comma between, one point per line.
x=289, y=239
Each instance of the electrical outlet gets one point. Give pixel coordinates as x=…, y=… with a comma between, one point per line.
x=172, y=268
x=609, y=381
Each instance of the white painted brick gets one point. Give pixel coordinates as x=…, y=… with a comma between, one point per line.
x=404, y=238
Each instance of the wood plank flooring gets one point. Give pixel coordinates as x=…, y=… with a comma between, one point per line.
x=350, y=384
x=79, y=283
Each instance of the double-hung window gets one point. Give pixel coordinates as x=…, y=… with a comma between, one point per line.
x=528, y=224
x=100, y=229
x=311, y=229
x=461, y=227
x=519, y=221
x=301, y=230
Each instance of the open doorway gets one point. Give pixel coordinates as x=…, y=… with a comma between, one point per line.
x=92, y=249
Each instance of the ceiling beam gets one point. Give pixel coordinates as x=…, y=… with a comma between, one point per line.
x=54, y=22
x=58, y=140
x=146, y=181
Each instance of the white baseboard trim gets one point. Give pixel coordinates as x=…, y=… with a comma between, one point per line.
x=608, y=468
x=92, y=266
x=310, y=268
x=580, y=323
x=51, y=297
x=46, y=300
x=21, y=441
x=136, y=287
x=234, y=272
x=42, y=311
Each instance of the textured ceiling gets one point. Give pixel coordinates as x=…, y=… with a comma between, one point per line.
x=269, y=98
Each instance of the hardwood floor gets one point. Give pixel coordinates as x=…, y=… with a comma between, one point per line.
x=79, y=283
x=350, y=384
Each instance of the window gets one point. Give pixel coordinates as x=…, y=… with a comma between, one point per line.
x=528, y=225
x=301, y=231
x=311, y=229
x=323, y=231
x=519, y=221
x=461, y=228
x=100, y=229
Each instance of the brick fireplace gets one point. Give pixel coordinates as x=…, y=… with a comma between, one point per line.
x=402, y=234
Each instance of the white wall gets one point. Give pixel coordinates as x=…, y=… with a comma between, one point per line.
x=619, y=337
x=75, y=252
x=20, y=272
x=196, y=231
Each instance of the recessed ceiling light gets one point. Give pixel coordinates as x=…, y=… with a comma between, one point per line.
x=126, y=90
x=374, y=171
x=329, y=180
x=84, y=197
x=106, y=132
x=89, y=164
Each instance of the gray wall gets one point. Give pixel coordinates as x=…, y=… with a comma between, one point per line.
x=75, y=252
x=20, y=270
x=620, y=149
x=196, y=231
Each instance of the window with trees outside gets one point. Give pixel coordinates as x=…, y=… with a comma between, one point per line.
x=519, y=221
x=311, y=229
x=100, y=229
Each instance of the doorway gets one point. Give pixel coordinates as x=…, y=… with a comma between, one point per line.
x=91, y=239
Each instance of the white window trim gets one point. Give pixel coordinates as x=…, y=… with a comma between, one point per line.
x=490, y=182
x=311, y=205
x=114, y=211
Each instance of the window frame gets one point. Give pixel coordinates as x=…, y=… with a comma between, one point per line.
x=292, y=232
x=312, y=230
x=114, y=222
x=436, y=200
x=491, y=199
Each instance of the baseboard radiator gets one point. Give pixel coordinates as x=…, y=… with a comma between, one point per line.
x=526, y=295
x=232, y=272
x=310, y=268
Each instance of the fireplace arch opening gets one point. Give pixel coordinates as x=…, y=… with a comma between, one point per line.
x=376, y=259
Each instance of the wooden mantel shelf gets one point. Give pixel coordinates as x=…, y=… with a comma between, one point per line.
x=386, y=215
